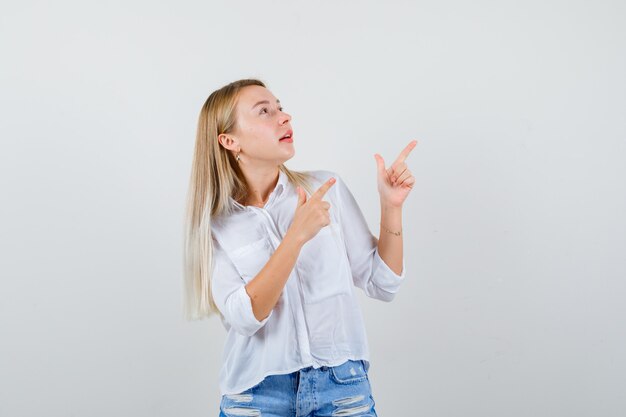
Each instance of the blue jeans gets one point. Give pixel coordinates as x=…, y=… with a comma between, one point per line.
x=342, y=390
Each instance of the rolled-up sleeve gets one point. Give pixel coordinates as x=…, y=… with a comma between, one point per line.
x=369, y=270
x=231, y=297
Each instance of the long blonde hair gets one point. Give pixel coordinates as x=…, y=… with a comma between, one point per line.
x=215, y=176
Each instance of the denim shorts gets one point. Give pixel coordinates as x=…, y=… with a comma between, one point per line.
x=342, y=390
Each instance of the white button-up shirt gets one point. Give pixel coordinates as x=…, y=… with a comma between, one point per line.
x=317, y=320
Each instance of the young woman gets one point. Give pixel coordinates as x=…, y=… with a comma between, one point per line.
x=277, y=254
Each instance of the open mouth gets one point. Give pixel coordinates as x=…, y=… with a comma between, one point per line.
x=287, y=138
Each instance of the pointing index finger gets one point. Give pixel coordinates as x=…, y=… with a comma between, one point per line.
x=325, y=187
x=405, y=152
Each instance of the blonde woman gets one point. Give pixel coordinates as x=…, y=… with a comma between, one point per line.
x=277, y=254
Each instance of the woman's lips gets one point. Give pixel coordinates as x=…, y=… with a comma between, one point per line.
x=290, y=140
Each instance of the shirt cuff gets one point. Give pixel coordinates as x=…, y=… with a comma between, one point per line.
x=247, y=322
x=384, y=277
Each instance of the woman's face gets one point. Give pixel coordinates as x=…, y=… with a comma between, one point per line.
x=260, y=125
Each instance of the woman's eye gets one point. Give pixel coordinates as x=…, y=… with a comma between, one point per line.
x=265, y=109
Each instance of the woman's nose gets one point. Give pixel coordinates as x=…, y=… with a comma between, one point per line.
x=285, y=117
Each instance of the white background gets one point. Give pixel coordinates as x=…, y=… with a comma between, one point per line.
x=515, y=235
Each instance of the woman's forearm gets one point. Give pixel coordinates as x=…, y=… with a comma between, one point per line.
x=265, y=288
x=390, y=245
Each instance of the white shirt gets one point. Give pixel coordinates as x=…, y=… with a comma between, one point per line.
x=317, y=320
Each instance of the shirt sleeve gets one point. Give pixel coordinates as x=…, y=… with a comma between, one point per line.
x=369, y=271
x=230, y=295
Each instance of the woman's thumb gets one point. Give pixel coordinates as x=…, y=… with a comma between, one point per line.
x=301, y=196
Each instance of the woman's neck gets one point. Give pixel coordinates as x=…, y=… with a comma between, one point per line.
x=260, y=187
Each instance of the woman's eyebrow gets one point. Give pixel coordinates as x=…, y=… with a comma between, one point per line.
x=264, y=101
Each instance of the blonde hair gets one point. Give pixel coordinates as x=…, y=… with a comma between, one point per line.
x=215, y=176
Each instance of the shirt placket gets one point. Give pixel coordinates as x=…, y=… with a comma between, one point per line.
x=302, y=333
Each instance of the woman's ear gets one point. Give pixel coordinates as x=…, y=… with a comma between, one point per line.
x=228, y=143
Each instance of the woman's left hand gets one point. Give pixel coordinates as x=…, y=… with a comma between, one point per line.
x=395, y=182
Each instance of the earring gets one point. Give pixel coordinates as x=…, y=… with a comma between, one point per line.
x=237, y=157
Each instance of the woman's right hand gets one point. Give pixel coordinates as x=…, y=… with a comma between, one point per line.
x=312, y=214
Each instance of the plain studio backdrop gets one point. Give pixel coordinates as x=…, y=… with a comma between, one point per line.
x=514, y=233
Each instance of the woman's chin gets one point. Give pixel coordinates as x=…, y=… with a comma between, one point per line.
x=289, y=156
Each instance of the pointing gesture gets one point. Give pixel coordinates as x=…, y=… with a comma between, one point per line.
x=395, y=182
x=311, y=214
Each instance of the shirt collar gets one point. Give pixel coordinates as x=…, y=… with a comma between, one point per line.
x=280, y=186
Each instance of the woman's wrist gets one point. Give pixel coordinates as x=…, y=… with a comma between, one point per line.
x=397, y=233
